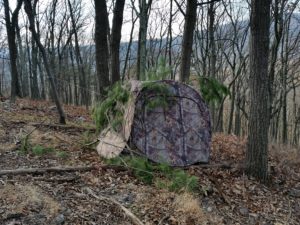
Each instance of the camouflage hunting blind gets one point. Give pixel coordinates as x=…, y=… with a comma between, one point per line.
x=176, y=130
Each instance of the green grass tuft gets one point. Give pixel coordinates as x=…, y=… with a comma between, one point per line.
x=61, y=154
x=40, y=150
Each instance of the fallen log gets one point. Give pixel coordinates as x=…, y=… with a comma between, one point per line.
x=46, y=170
x=225, y=165
x=117, y=168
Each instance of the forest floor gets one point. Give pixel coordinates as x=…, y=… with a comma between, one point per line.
x=225, y=194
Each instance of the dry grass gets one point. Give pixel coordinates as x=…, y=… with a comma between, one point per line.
x=26, y=198
x=188, y=206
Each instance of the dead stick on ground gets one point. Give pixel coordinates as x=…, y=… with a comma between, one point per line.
x=45, y=170
x=64, y=127
x=219, y=189
x=61, y=169
x=134, y=219
x=226, y=165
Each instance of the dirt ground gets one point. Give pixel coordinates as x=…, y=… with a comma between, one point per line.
x=225, y=195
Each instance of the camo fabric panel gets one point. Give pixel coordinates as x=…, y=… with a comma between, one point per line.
x=179, y=134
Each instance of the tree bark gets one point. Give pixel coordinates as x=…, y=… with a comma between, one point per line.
x=284, y=75
x=13, y=52
x=212, y=62
x=102, y=56
x=259, y=116
x=35, y=94
x=142, y=53
x=115, y=40
x=187, y=42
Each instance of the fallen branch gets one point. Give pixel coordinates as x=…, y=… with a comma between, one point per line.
x=46, y=170
x=64, y=127
x=163, y=219
x=225, y=165
x=117, y=168
x=219, y=189
x=91, y=143
x=59, y=180
x=128, y=213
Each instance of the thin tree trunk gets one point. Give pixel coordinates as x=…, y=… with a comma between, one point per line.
x=212, y=60
x=34, y=81
x=142, y=48
x=84, y=94
x=232, y=107
x=23, y=73
x=1, y=77
x=278, y=28
x=170, y=40
x=30, y=14
x=128, y=49
x=284, y=74
x=115, y=40
x=101, y=43
x=76, y=98
x=187, y=42
x=42, y=79
x=13, y=52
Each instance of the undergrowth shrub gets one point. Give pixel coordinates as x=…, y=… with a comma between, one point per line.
x=162, y=175
x=25, y=144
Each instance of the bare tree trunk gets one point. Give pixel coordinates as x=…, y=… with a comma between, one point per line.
x=212, y=62
x=129, y=48
x=170, y=40
x=34, y=63
x=187, y=42
x=115, y=40
x=232, y=109
x=42, y=79
x=142, y=53
x=30, y=13
x=1, y=77
x=284, y=74
x=237, y=122
x=102, y=55
x=13, y=52
x=278, y=28
x=76, y=98
x=84, y=94
x=259, y=116
x=296, y=132
x=23, y=73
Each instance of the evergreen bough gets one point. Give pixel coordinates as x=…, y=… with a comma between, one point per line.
x=160, y=174
x=212, y=90
x=111, y=110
